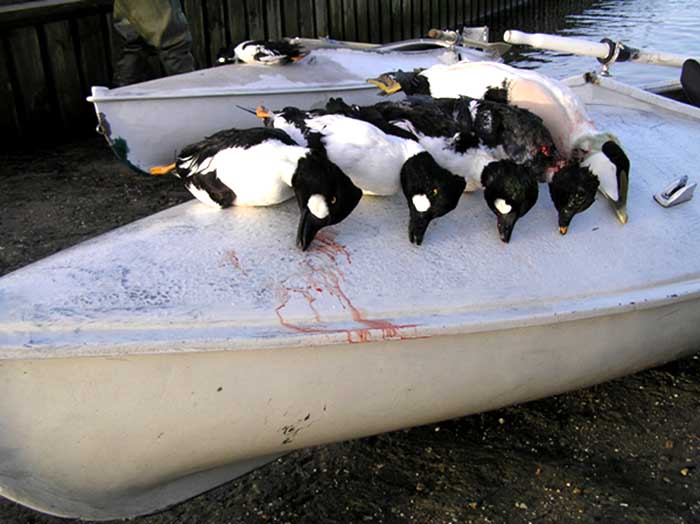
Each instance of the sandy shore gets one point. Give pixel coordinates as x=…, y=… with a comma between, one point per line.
x=625, y=451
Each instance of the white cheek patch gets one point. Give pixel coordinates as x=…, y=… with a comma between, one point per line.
x=473, y=108
x=421, y=203
x=317, y=205
x=502, y=207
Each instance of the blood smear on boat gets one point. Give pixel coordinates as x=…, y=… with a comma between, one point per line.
x=323, y=278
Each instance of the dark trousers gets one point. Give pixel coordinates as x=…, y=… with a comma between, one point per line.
x=151, y=27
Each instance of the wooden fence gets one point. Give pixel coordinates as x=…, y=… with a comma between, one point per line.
x=53, y=51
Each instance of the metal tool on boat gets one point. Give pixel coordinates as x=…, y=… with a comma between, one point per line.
x=677, y=192
x=476, y=37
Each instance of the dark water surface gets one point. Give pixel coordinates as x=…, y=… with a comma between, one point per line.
x=671, y=26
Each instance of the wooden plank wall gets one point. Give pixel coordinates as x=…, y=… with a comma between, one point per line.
x=53, y=51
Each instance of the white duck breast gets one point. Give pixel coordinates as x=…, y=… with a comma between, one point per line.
x=371, y=158
x=259, y=175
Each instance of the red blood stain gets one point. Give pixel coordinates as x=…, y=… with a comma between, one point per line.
x=235, y=262
x=320, y=269
x=328, y=244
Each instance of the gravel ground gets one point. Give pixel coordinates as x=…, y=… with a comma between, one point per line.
x=625, y=451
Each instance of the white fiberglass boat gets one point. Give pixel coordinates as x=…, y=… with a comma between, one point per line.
x=146, y=124
x=161, y=359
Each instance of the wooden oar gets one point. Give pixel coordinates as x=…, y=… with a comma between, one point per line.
x=606, y=51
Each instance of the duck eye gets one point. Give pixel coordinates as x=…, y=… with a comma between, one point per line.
x=333, y=200
x=434, y=191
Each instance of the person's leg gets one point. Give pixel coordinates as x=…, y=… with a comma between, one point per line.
x=162, y=24
x=690, y=81
x=132, y=65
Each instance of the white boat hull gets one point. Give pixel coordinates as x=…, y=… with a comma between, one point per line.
x=148, y=123
x=157, y=361
x=139, y=433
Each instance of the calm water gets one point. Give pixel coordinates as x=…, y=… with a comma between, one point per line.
x=671, y=26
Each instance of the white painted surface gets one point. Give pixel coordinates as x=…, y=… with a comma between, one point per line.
x=137, y=433
x=224, y=344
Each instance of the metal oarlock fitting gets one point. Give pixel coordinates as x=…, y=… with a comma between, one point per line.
x=677, y=192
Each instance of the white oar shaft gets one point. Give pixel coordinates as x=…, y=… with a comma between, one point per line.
x=557, y=43
x=586, y=48
x=658, y=58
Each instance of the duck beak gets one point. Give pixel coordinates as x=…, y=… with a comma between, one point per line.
x=564, y=221
x=505, y=225
x=621, y=212
x=620, y=205
x=387, y=84
x=622, y=168
x=161, y=170
x=417, y=226
x=309, y=225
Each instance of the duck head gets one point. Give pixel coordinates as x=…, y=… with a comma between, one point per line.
x=605, y=158
x=430, y=191
x=510, y=191
x=573, y=190
x=411, y=83
x=325, y=195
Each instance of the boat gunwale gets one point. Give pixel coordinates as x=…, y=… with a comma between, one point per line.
x=650, y=95
x=203, y=92
x=212, y=92
x=266, y=334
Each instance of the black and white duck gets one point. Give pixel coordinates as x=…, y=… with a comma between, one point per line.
x=263, y=52
x=510, y=190
x=378, y=162
x=464, y=135
x=262, y=167
x=562, y=112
